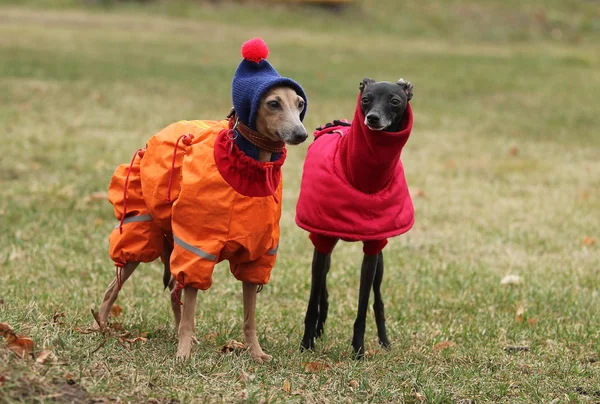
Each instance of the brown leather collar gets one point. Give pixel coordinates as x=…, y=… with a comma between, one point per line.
x=254, y=137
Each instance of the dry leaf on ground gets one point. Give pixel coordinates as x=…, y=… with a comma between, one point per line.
x=20, y=345
x=588, y=241
x=513, y=150
x=287, y=386
x=443, y=345
x=315, y=367
x=57, y=316
x=46, y=356
x=419, y=193
x=353, y=384
x=520, y=312
x=116, y=310
x=532, y=321
x=511, y=280
x=419, y=396
x=233, y=346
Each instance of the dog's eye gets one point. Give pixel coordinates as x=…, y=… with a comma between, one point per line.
x=273, y=104
x=301, y=104
x=396, y=102
x=364, y=100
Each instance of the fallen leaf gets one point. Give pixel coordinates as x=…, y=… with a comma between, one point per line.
x=436, y=333
x=511, y=280
x=588, y=241
x=287, y=386
x=22, y=346
x=99, y=196
x=211, y=337
x=6, y=331
x=233, y=346
x=315, y=367
x=443, y=345
x=513, y=150
x=532, y=321
x=57, y=316
x=520, y=312
x=419, y=396
x=419, y=193
x=46, y=356
x=353, y=384
x=115, y=311
x=132, y=341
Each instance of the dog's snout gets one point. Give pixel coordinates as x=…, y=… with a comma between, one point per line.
x=373, y=119
x=299, y=134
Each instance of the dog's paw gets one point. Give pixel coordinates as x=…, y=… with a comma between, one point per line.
x=385, y=343
x=307, y=344
x=260, y=357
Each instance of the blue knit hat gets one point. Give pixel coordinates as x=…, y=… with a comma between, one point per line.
x=253, y=78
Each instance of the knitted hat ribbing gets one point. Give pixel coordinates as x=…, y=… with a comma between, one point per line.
x=253, y=78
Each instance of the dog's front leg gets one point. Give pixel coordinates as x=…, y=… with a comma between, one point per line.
x=324, y=301
x=367, y=275
x=186, y=326
x=378, y=303
x=319, y=265
x=249, y=295
x=111, y=294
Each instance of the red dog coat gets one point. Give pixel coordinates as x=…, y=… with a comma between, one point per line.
x=351, y=188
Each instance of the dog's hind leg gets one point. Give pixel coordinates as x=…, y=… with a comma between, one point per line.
x=367, y=275
x=319, y=265
x=324, y=301
x=113, y=292
x=378, y=304
x=249, y=296
x=169, y=281
x=186, y=326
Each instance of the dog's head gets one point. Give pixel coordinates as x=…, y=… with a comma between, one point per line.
x=278, y=116
x=383, y=103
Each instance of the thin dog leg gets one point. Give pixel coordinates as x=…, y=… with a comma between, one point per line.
x=176, y=307
x=312, y=312
x=378, y=304
x=171, y=282
x=324, y=302
x=250, y=324
x=113, y=292
x=186, y=326
x=367, y=275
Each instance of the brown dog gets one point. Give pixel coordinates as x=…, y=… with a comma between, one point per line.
x=278, y=120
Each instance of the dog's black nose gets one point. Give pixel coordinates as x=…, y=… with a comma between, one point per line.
x=373, y=119
x=299, y=135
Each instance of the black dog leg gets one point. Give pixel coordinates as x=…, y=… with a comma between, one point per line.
x=324, y=302
x=378, y=304
x=367, y=275
x=319, y=265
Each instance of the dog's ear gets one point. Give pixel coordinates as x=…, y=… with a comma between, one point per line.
x=363, y=84
x=407, y=87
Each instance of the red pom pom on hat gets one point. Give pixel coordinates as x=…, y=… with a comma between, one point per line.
x=255, y=50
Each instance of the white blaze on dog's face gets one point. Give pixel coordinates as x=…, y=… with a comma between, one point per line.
x=278, y=117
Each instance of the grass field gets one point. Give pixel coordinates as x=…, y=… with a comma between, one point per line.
x=503, y=164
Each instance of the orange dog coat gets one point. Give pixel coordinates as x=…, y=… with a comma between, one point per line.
x=192, y=185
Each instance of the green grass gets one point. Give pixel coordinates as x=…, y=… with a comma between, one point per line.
x=503, y=162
